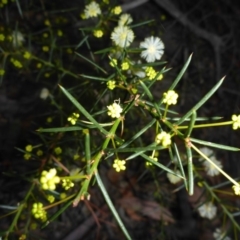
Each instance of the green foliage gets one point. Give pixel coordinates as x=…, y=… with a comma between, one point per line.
x=100, y=108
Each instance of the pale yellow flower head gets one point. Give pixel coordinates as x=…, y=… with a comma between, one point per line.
x=114, y=110
x=236, y=121
x=236, y=189
x=170, y=97
x=122, y=36
x=163, y=138
x=92, y=10
x=119, y=165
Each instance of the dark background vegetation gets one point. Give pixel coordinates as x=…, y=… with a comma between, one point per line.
x=209, y=29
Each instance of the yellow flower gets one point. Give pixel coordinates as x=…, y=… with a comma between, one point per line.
x=27, y=156
x=117, y=10
x=59, y=33
x=98, y=33
x=45, y=35
x=149, y=163
x=49, y=179
x=67, y=183
x=163, y=138
x=73, y=118
x=160, y=77
x=38, y=211
x=16, y=63
x=113, y=62
x=28, y=148
x=39, y=65
x=27, y=55
x=125, y=66
x=47, y=22
x=170, y=97
x=39, y=152
x=2, y=72
x=151, y=73
x=58, y=150
x=236, y=189
x=114, y=110
x=45, y=48
x=111, y=84
x=51, y=198
x=2, y=37
x=76, y=157
x=236, y=121
x=119, y=165
x=49, y=119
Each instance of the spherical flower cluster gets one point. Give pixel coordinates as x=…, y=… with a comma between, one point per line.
x=219, y=235
x=117, y=10
x=210, y=169
x=173, y=178
x=151, y=73
x=122, y=36
x=2, y=72
x=125, y=66
x=236, y=189
x=44, y=93
x=125, y=19
x=58, y=150
x=160, y=77
x=38, y=211
x=111, y=84
x=45, y=48
x=113, y=62
x=51, y=198
x=2, y=37
x=16, y=63
x=92, y=10
x=163, y=138
x=119, y=165
x=114, y=110
x=27, y=55
x=98, y=33
x=207, y=210
x=149, y=163
x=49, y=179
x=39, y=152
x=17, y=38
x=170, y=97
x=67, y=183
x=236, y=121
x=28, y=154
x=206, y=151
x=154, y=49
x=73, y=118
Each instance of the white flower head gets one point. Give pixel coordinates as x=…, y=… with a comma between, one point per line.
x=44, y=93
x=17, y=38
x=219, y=235
x=122, y=36
x=92, y=10
x=125, y=19
x=207, y=210
x=210, y=169
x=173, y=178
x=114, y=110
x=206, y=151
x=153, y=49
